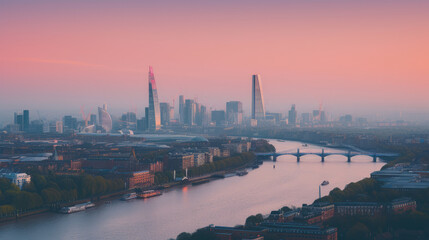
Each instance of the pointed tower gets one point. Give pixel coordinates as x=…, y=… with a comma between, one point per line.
x=154, y=118
x=258, y=108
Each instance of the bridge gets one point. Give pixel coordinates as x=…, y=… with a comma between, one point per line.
x=349, y=154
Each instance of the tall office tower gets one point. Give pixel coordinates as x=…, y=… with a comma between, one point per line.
x=69, y=123
x=18, y=120
x=190, y=109
x=292, y=115
x=198, y=117
x=129, y=120
x=181, y=108
x=258, y=109
x=26, y=120
x=204, y=116
x=218, y=116
x=165, y=113
x=234, y=112
x=93, y=119
x=305, y=118
x=105, y=119
x=154, y=119
x=322, y=117
x=59, y=127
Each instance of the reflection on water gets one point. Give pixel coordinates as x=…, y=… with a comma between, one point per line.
x=222, y=202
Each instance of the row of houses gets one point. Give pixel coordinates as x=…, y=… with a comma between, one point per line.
x=320, y=212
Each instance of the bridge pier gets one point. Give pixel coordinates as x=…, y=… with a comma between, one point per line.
x=298, y=156
x=274, y=158
x=323, y=155
x=349, y=156
x=374, y=158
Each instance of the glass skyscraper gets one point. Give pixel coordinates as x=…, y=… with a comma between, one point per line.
x=258, y=109
x=105, y=119
x=154, y=118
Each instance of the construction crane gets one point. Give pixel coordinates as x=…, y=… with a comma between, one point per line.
x=85, y=118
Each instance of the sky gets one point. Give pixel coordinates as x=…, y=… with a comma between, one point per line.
x=358, y=57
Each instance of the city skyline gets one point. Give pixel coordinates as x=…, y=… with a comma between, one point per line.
x=371, y=62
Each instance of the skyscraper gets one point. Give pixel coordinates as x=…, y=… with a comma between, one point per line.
x=234, y=112
x=258, y=109
x=154, y=118
x=292, y=116
x=26, y=120
x=190, y=109
x=181, y=108
x=165, y=113
x=104, y=118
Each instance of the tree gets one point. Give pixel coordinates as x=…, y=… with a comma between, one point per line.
x=184, y=236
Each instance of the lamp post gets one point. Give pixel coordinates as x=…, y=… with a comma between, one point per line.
x=324, y=183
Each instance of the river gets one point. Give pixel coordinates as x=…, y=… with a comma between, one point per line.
x=224, y=202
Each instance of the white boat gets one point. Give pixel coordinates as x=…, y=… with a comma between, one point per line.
x=77, y=208
x=129, y=196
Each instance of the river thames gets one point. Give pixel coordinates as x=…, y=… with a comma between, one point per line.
x=224, y=202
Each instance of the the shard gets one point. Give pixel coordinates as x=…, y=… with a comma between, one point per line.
x=154, y=118
x=258, y=109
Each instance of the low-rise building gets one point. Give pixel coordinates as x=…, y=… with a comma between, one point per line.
x=297, y=231
x=19, y=179
x=358, y=208
x=214, y=151
x=326, y=209
x=199, y=159
x=140, y=179
x=401, y=205
x=180, y=161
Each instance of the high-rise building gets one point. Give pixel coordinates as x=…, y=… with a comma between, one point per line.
x=129, y=120
x=258, y=109
x=203, y=116
x=18, y=120
x=218, y=116
x=181, y=108
x=69, y=123
x=154, y=118
x=292, y=116
x=234, y=112
x=93, y=119
x=59, y=127
x=190, y=109
x=105, y=119
x=26, y=120
x=165, y=113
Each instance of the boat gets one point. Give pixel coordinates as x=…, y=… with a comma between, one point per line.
x=274, y=166
x=77, y=208
x=149, y=194
x=242, y=173
x=129, y=196
x=305, y=145
x=324, y=183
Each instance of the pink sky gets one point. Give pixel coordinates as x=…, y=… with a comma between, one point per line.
x=353, y=57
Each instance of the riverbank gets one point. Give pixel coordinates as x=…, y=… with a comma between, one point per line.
x=227, y=201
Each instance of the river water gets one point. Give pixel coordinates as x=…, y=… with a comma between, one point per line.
x=224, y=202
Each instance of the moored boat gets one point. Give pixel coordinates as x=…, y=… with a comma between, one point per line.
x=77, y=208
x=149, y=194
x=129, y=196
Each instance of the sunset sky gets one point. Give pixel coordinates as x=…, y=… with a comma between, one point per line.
x=357, y=57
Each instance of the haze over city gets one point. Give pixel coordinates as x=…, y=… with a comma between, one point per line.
x=60, y=55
